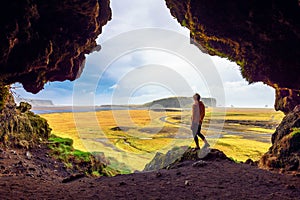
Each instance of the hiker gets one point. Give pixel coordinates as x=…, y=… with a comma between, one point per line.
x=198, y=113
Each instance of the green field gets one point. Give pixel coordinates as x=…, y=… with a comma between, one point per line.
x=132, y=137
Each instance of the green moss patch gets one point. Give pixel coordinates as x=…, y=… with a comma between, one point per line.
x=295, y=132
x=19, y=126
x=294, y=141
x=76, y=160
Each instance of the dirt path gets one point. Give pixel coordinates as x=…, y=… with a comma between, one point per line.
x=215, y=180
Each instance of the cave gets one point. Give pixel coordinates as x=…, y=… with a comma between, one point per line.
x=43, y=42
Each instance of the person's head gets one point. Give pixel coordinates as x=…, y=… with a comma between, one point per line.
x=196, y=97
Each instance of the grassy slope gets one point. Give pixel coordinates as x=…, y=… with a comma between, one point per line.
x=92, y=132
x=77, y=160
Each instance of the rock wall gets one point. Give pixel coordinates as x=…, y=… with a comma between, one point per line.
x=19, y=127
x=286, y=99
x=262, y=37
x=43, y=41
x=285, y=150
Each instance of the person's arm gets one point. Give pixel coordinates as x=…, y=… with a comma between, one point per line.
x=202, y=112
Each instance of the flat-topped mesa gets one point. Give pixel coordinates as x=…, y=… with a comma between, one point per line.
x=262, y=37
x=43, y=41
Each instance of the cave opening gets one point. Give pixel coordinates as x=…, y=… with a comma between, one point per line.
x=256, y=40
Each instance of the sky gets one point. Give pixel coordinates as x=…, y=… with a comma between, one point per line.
x=146, y=55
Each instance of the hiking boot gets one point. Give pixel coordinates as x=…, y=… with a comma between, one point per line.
x=206, y=145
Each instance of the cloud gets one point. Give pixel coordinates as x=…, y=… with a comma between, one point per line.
x=114, y=86
x=241, y=94
x=238, y=91
x=134, y=14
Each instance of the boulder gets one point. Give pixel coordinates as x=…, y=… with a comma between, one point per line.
x=176, y=156
x=285, y=150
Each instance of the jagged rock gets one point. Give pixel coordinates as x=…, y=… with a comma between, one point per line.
x=43, y=41
x=176, y=156
x=161, y=160
x=287, y=99
x=211, y=155
x=24, y=107
x=285, y=150
x=20, y=127
x=262, y=37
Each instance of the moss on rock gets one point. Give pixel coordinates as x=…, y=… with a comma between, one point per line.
x=76, y=160
x=19, y=127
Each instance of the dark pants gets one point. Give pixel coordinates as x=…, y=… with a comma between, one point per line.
x=196, y=128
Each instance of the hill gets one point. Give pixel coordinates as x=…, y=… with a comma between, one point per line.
x=179, y=102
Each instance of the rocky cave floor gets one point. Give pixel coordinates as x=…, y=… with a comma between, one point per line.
x=35, y=175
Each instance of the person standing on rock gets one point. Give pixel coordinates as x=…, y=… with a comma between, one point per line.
x=198, y=113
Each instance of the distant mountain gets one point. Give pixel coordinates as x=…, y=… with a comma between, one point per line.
x=179, y=102
x=35, y=102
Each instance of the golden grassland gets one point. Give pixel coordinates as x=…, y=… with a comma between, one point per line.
x=134, y=136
